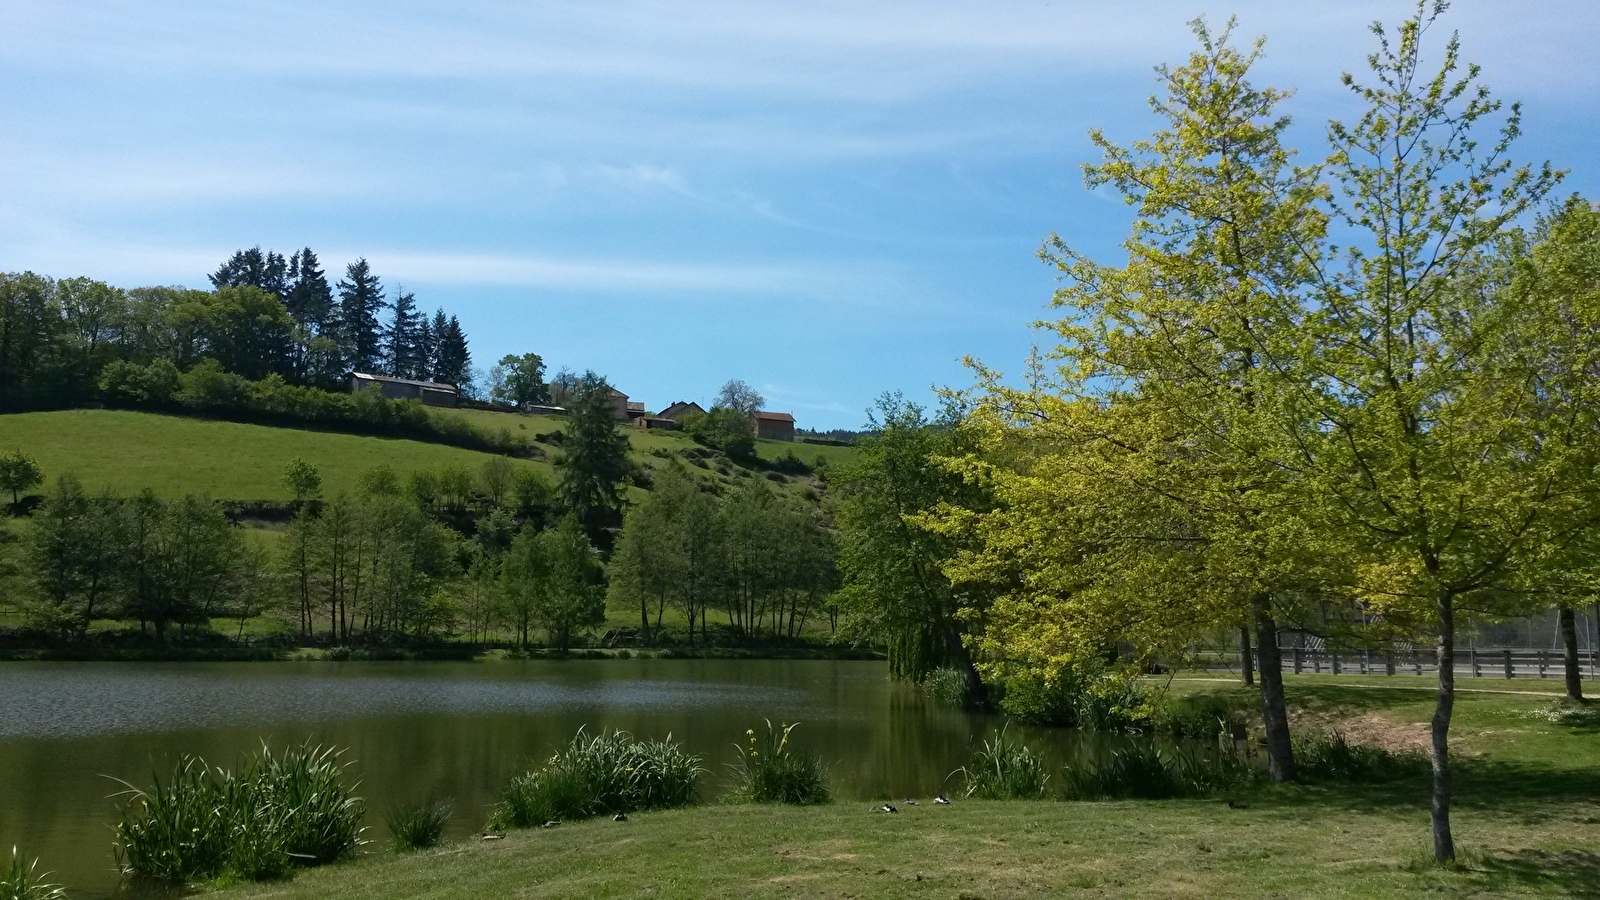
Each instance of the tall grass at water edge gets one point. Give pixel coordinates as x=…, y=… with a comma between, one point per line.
x=20, y=879
x=605, y=773
x=770, y=770
x=948, y=686
x=1005, y=768
x=419, y=825
x=279, y=809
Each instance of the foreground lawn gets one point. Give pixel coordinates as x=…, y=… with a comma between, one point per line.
x=176, y=455
x=996, y=849
x=1527, y=823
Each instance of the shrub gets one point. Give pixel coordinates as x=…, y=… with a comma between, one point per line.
x=419, y=825
x=608, y=773
x=1032, y=698
x=205, y=823
x=1004, y=768
x=948, y=685
x=21, y=880
x=1146, y=772
x=770, y=771
x=1327, y=756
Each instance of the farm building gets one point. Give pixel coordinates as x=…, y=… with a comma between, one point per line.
x=678, y=410
x=774, y=426
x=430, y=393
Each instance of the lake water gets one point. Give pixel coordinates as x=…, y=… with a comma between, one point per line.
x=421, y=730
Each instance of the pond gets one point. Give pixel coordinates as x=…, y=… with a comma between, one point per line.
x=434, y=730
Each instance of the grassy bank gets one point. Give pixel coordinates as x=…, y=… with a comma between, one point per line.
x=1360, y=847
x=177, y=455
x=1527, y=817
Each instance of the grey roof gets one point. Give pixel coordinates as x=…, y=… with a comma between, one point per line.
x=429, y=385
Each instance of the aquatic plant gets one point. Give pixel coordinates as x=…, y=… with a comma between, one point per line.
x=1146, y=772
x=1197, y=716
x=606, y=773
x=948, y=685
x=20, y=879
x=418, y=826
x=279, y=809
x=769, y=770
x=1005, y=768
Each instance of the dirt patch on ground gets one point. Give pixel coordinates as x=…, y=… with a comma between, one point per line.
x=1371, y=729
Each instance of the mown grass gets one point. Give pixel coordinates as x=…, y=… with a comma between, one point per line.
x=177, y=455
x=990, y=849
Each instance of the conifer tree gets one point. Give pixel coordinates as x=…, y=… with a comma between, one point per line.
x=309, y=298
x=267, y=271
x=454, y=360
x=402, y=347
x=360, y=334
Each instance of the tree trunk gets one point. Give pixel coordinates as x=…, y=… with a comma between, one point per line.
x=1569, y=647
x=1444, y=847
x=1274, y=711
x=644, y=619
x=1246, y=663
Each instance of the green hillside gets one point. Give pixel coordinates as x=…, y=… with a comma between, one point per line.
x=174, y=455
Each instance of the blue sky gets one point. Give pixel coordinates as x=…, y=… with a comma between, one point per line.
x=828, y=200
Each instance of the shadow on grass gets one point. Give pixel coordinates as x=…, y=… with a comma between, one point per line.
x=1478, y=785
x=1574, y=873
x=1347, y=700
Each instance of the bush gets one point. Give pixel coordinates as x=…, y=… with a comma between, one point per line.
x=206, y=823
x=1004, y=768
x=20, y=880
x=1146, y=772
x=608, y=773
x=770, y=771
x=418, y=826
x=1327, y=756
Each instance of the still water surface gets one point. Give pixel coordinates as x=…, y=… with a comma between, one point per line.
x=420, y=730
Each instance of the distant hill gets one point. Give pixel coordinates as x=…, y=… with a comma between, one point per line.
x=175, y=455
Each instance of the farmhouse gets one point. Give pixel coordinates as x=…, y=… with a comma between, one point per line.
x=774, y=426
x=678, y=410
x=430, y=393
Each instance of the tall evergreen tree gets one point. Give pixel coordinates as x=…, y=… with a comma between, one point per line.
x=309, y=298
x=428, y=344
x=454, y=360
x=360, y=334
x=267, y=271
x=403, y=346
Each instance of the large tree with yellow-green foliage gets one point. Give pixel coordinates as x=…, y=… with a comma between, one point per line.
x=1141, y=492
x=1245, y=420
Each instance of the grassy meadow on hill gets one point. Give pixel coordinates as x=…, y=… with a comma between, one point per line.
x=176, y=455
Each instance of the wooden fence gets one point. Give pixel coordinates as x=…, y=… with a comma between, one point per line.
x=1503, y=662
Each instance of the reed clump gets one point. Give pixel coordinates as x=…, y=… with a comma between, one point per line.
x=1005, y=768
x=418, y=826
x=21, y=879
x=605, y=773
x=278, y=810
x=770, y=770
x=948, y=686
x=1147, y=772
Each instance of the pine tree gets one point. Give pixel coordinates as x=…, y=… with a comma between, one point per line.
x=402, y=348
x=266, y=271
x=309, y=298
x=360, y=334
x=454, y=360
x=427, y=347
